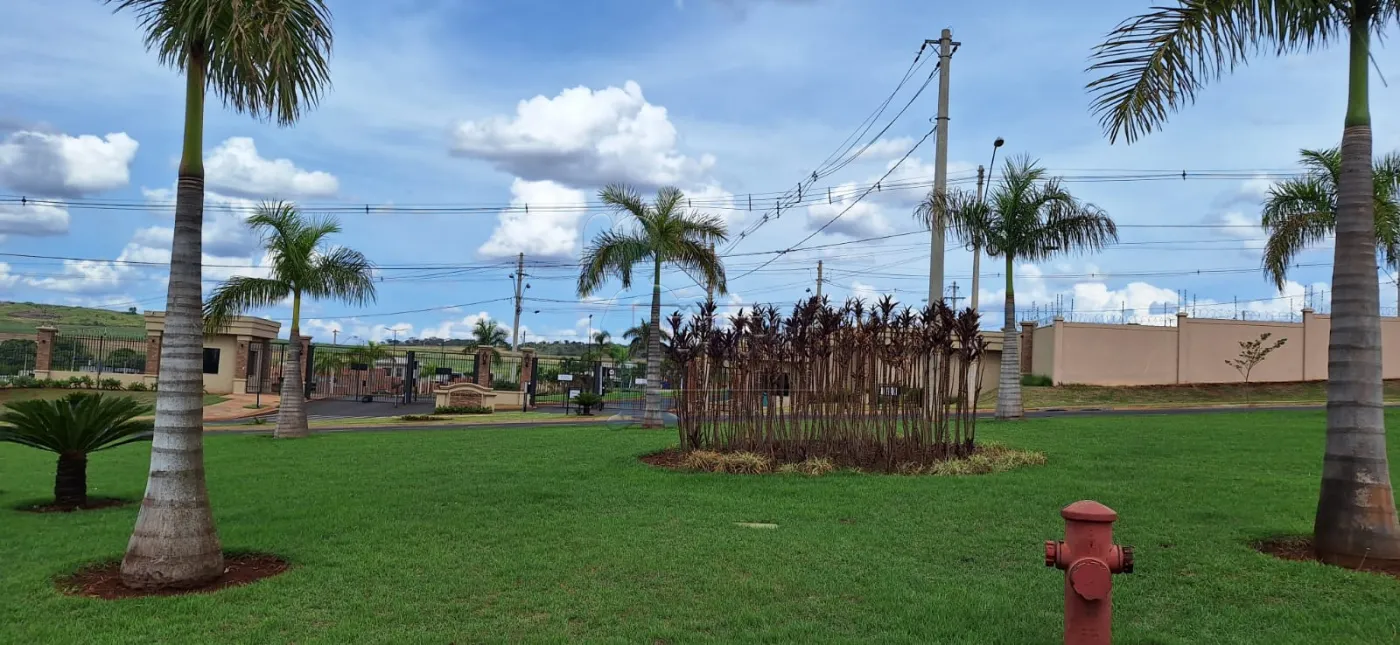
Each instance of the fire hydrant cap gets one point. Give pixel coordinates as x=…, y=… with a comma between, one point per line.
x=1088, y=511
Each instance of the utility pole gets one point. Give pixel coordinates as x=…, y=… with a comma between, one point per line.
x=819, y=279
x=335, y=335
x=519, y=294
x=710, y=286
x=954, y=298
x=977, y=250
x=940, y=165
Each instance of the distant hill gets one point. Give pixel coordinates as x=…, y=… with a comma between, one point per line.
x=22, y=317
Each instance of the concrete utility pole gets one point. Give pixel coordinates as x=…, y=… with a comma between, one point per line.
x=819, y=279
x=940, y=165
x=977, y=249
x=519, y=294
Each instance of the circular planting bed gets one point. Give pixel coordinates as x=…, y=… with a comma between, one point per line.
x=105, y=580
x=92, y=504
x=985, y=459
x=1299, y=548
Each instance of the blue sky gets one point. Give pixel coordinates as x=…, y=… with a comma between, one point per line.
x=476, y=103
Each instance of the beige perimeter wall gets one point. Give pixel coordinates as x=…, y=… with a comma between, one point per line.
x=1194, y=351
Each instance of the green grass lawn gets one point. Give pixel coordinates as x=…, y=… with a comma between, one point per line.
x=24, y=394
x=558, y=534
x=1177, y=395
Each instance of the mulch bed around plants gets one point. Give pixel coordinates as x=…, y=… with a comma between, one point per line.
x=93, y=504
x=1299, y=548
x=668, y=458
x=105, y=580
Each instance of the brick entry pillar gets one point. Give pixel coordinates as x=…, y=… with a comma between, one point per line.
x=43, y=353
x=1027, y=345
x=484, y=357
x=527, y=368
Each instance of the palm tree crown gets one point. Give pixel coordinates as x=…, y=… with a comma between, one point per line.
x=486, y=333
x=1302, y=211
x=1027, y=215
x=639, y=336
x=299, y=266
x=264, y=57
x=663, y=232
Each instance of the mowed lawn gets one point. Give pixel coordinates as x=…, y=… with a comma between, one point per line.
x=558, y=534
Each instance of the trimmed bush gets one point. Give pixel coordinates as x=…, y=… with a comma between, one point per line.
x=137, y=387
x=464, y=409
x=419, y=417
x=1036, y=380
x=110, y=384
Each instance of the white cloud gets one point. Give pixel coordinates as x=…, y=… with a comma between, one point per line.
x=866, y=292
x=33, y=219
x=83, y=276
x=584, y=137
x=458, y=328
x=865, y=218
x=59, y=165
x=549, y=229
x=880, y=211
x=7, y=279
x=236, y=168
x=888, y=148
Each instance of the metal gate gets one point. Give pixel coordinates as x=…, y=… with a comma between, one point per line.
x=385, y=374
x=557, y=378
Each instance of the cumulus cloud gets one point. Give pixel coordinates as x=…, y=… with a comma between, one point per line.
x=236, y=168
x=226, y=232
x=59, y=165
x=882, y=210
x=888, y=148
x=550, y=229
x=584, y=137
x=33, y=219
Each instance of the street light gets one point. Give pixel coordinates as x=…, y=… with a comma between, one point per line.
x=981, y=199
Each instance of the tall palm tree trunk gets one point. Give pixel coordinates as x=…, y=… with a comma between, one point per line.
x=291, y=412
x=174, y=543
x=651, y=418
x=70, y=480
x=1009, y=385
x=1356, y=519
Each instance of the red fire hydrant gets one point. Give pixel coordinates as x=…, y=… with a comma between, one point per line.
x=1089, y=558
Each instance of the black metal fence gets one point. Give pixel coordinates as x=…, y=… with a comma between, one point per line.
x=99, y=353
x=17, y=356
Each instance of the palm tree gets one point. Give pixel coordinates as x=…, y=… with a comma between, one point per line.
x=267, y=59
x=1154, y=64
x=486, y=333
x=664, y=233
x=1026, y=216
x=1303, y=210
x=639, y=338
x=369, y=353
x=300, y=266
x=73, y=427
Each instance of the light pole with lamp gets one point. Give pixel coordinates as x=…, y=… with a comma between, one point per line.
x=977, y=248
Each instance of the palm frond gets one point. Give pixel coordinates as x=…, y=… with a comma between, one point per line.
x=343, y=274
x=611, y=254
x=264, y=57
x=960, y=211
x=623, y=198
x=697, y=258
x=238, y=295
x=1155, y=63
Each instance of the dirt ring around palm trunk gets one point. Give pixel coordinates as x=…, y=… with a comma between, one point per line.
x=1299, y=548
x=104, y=580
x=93, y=504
